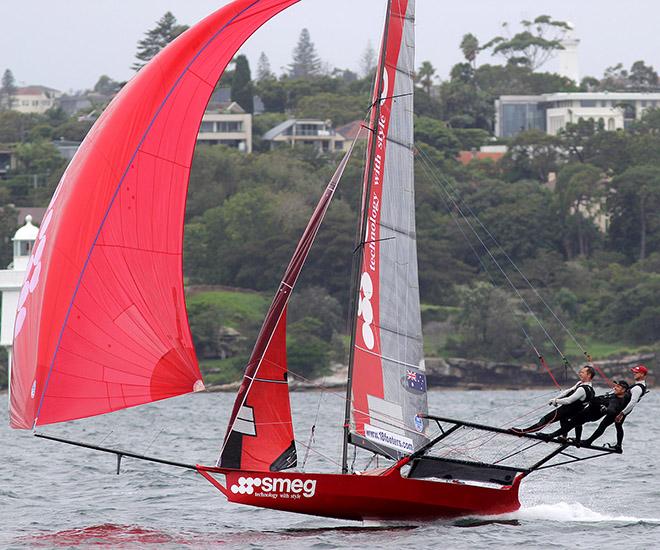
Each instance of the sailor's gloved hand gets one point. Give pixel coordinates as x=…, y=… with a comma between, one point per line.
x=553, y=402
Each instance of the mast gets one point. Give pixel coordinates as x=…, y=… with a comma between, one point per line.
x=359, y=245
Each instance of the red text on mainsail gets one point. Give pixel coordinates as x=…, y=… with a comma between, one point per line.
x=381, y=131
x=371, y=233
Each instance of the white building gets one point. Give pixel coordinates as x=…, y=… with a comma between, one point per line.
x=551, y=112
x=11, y=281
x=34, y=99
x=226, y=124
x=569, y=65
x=317, y=133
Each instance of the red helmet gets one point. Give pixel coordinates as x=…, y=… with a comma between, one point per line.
x=640, y=368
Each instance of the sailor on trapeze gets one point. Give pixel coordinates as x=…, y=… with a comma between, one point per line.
x=569, y=402
x=607, y=406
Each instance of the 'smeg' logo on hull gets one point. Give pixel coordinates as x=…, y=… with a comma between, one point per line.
x=247, y=485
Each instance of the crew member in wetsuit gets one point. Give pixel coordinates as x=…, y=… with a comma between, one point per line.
x=637, y=391
x=570, y=402
x=614, y=409
x=609, y=404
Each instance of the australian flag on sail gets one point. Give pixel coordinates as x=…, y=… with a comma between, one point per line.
x=415, y=380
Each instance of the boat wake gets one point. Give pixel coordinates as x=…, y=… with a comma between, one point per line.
x=574, y=512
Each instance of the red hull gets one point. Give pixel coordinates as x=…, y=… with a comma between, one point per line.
x=379, y=496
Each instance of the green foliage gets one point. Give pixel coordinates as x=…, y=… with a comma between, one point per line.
x=532, y=155
x=7, y=90
x=241, y=84
x=533, y=46
x=308, y=354
x=223, y=371
x=264, y=71
x=634, y=204
x=338, y=108
x=425, y=75
x=436, y=134
x=489, y=325
x=166, y=30
x=8, y=226
x=305, y=62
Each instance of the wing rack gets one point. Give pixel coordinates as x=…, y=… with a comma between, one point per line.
x=424, y=465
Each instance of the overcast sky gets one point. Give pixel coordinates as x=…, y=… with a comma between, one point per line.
x=68, y=44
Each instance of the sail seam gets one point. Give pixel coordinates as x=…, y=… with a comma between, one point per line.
x=118, y=188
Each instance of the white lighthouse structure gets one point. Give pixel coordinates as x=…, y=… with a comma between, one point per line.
x=11, y=281
x=568, y=57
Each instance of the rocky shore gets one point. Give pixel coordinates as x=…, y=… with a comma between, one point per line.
x=457, y=373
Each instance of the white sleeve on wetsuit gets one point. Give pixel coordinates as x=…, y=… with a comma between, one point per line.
x=566, y=392
x=578, y=395
x=635, y=395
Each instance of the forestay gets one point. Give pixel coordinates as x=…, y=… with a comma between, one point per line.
x=387, y=373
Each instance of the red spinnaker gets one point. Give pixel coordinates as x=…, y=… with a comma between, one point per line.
x=101, y=322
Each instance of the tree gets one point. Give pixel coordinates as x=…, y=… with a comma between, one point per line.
x=634, y=206
x=241, y=84
x=532, y=154
x=425, y=75
x=106, y=86
x=338, y=108
x=465, y=103
x=368, y=60
x=436, y=134
x=489, y=324
x=8, y=90
x=470, y=48
x=580, y=190
x=166, y=30
x=642, y=75
x=264, y=71
x=534, y=46
x=305, y=62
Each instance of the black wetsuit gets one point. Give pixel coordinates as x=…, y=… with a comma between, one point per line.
x=564, y=412
x=614, y=406
x=603, y=405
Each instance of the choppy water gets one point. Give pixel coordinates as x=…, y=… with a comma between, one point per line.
x=53, y=495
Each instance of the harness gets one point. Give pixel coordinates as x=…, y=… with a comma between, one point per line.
x=643, y=387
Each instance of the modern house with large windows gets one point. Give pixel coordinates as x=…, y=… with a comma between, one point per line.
x=226, y=124
x=550, y=113
x=317, y=133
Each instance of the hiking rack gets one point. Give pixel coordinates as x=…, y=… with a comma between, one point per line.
x=495, y=473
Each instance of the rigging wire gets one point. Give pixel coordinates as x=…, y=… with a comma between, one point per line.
x=492, y=257
x=517, y=269
x=311, y=435
x=492, y=279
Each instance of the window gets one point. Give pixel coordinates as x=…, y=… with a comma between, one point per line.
x=588, y=103
x=610, y=124
x=206, y=127
x=23, y=248
x=230, y=126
